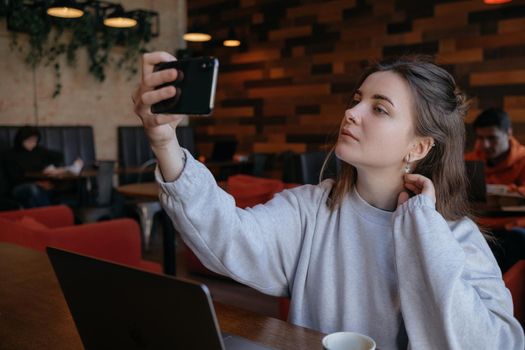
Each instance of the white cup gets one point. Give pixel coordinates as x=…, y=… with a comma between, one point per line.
x=348, y=341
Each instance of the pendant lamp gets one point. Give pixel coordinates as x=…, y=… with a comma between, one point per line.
x=231, y=40
x=119, y=19
x=196, y=34
x=65, y=9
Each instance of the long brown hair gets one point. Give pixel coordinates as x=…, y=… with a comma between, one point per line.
x=439, y=110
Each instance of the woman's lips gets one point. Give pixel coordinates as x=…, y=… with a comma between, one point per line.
x=348, y=133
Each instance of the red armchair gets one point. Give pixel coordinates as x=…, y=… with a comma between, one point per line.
x=114, y=240
x=249, y=191
x=515, y=281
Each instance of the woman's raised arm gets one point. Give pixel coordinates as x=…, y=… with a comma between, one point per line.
x=160, y=128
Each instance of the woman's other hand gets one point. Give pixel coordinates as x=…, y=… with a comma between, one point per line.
x=417, y=184
x=160, y=128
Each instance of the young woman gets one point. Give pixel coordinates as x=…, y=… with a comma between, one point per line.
x=386, y=249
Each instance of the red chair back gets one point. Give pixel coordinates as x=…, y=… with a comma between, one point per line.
x=51, y=216
x=114, y=240
x=249, y=191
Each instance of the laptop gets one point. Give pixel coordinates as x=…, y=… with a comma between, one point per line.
x=119, y=307
x=223, y=151
x=477, y=187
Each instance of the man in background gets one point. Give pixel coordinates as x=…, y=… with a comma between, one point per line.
x=28, y=156
x=504, y=159
x=503, y=155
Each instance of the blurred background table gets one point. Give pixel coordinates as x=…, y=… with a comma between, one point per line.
x=143, y=190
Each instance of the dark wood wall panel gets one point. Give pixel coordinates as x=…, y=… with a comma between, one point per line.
x=287, y=87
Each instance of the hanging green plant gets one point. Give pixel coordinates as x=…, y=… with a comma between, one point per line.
x=49, y=39
x=30, y=20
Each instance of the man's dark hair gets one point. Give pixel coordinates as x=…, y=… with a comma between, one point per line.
x=24, y=133
x=492, y=117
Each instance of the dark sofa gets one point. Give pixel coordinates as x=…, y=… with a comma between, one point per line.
x=134, y=149
x=72, y=141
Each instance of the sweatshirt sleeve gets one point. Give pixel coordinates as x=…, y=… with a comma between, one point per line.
x=451, y=291
x=257, y=246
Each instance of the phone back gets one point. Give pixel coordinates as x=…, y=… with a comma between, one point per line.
x=196, y=89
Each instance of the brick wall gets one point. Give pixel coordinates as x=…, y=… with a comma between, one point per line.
x=83, y=99
x=287, y=88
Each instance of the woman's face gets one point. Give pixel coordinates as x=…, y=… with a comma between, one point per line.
x=377, y=129
x=30, y=143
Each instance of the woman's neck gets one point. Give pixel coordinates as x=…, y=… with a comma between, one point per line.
x=380, y=190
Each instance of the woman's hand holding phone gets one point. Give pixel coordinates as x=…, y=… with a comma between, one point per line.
x=160, y=128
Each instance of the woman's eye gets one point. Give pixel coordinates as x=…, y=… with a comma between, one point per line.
x=380, y=110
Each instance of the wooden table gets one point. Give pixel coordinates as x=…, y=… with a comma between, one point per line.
x=84, y=173
x=83, y=182
x=149, y=191
x=493, y=217
x=143, y=190
x=34, y=314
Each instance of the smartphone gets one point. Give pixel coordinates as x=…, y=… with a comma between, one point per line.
x=195, y=86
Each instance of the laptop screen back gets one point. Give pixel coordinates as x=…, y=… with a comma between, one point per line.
x=117, y=307
x=223, y=151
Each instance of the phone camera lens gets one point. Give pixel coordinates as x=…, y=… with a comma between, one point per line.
x=206, y=65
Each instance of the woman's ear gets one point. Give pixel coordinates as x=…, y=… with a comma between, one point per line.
x=421, y=147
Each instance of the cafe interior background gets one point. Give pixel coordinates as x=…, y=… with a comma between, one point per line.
x=285, y=87
x=282, y=89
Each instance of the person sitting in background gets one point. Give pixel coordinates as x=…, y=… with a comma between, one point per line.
x=28, y=156
x=504, y=159
x=503, y=155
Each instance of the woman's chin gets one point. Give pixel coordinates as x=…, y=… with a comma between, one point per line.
x=341, y=152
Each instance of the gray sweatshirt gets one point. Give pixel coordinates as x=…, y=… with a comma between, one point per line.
x=408, y=279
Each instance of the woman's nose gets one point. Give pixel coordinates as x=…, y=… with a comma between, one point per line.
x=351, y=116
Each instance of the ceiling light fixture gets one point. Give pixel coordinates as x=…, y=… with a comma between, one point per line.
x=231, y=40
x=65, y=9
x=196, y=34
x=119, y=19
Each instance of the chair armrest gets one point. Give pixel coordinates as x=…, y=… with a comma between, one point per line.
x=115, y=240
x=249, y=190
x=52, y=216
